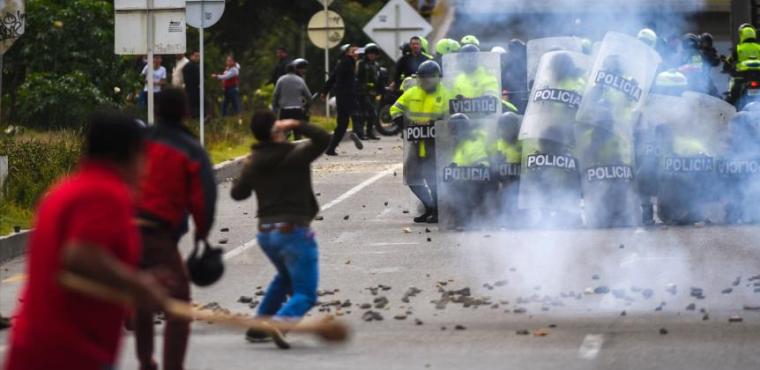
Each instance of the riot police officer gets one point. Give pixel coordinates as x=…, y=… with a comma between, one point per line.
x=468, y=173
x=505, y=155
x=417, y=110
x=474, y=81
x=368, y=74
x=744, y=62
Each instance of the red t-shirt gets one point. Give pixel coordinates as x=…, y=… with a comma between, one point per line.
x=54, y=327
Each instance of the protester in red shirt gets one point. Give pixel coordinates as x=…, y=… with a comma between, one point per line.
x=84, y=226
x=179, y=181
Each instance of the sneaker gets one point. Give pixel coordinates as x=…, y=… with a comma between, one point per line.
x=357, y=141
x=257, y=336
x=423, y=217
x=331, y=153
x=433, y=219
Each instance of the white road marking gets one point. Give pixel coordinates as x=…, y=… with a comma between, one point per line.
x=384, y=244
x=591, y=346
x=252, y=243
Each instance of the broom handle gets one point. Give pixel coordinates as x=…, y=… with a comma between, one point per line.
x=183, y=310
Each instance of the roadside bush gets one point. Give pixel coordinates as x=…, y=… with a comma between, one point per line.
x=35, y=163
x=52, y=102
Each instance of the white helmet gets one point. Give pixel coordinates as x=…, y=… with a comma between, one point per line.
x=648, y=37
x=498, y=49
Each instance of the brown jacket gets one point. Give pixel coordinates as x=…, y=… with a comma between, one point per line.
x=280, y=174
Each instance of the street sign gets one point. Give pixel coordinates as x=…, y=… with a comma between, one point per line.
x=202, y=14
x=325, y=3
x=395, y=24
x=326, y=29
x=211, y=10
x=131, y=25
x=13, y=16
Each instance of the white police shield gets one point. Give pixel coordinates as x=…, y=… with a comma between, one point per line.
x=419, y=147
x=536, y=48
x=465, y=180
x=549, y=179
x=619, y=82
x=739, y=169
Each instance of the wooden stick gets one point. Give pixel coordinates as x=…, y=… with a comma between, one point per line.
x=331, y=330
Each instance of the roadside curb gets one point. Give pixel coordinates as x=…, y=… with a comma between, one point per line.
x=14, y=245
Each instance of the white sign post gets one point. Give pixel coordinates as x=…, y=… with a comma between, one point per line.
x=13, y=16
x=396, y=22
x=3, y=173
x=148, y=27
x=326, y=30
x=202, y=14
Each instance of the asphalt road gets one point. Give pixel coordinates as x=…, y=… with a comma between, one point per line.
x=545, y=273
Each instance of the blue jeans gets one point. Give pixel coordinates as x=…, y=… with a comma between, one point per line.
x=296, y=258
x=231, y=97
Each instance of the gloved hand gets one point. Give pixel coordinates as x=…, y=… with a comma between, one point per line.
x=399, y=121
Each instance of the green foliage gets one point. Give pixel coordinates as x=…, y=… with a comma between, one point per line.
x=262, y=97
x=58, y=101
x=35, y=163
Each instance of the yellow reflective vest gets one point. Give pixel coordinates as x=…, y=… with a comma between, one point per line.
x=421, y=107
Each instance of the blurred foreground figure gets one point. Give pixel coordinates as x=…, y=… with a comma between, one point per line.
x=84, y=226
x=279, y=173
x=178, y=181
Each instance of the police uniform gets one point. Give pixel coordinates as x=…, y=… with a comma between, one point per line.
x=472, y=187
x=368, y=74
x=745, y=62
x=505, y=166
x=421, y=109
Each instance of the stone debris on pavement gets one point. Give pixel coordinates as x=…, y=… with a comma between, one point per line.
x=224, y=230
x=751, y=308
x=541, y=333
x=726, y=291
x=245, y=299
x=370, y=316
x=223, y=241
x=365, y=306
x=346, y=217
x=691, y=307
x=672, y=289
x=381, y=302
x=697, y=293
x=735, y=319
x=623, y=313
x=400, y=317
x=705, y=317
x=663, y=331
x=418, y=322
x=647, y=293
x=601, y=290
x=460, y=327
x=522, y=332
x=319, y=218
x=737, y=281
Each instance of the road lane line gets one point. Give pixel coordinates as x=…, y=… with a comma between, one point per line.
x=591, y=346
x=353, y=191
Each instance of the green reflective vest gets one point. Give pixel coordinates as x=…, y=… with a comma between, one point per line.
x=512, y=153
x=748, y=56
x=472, y=151
x=419, y=106
x=476, y=84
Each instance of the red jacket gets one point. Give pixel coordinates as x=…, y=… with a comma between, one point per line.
x=179, y=180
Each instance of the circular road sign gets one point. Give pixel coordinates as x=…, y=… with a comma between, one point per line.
x=326, y=29
x=212, y=11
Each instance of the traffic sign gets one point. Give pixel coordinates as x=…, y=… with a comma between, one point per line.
x=211, y=10
x=131, y=24
x=326, y=29
x=13, y=15
x=395, y=24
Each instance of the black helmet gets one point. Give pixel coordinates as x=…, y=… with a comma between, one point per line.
x=371, y=48
x=509, y=125
x=469, y=48
x=344, y=48
x=706, y=39
x=690, y=41
x=300, y=63
x=208, y=267
x=459, y=124
x=406, y=48
x=429, y=68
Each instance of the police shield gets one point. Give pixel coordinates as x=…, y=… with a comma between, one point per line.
x=464, y=176
x=549, y=183
x=739, y=170
x=538, y=47
x=689, y=142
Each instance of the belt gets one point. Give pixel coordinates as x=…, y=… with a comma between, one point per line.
x=283, y=227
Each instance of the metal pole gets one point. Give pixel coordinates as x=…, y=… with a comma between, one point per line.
x=149, y=76
x=202, y=97
x=397, y=33
x=1, y=88
x=327, y=59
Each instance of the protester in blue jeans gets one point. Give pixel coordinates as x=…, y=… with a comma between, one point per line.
x=279, y=172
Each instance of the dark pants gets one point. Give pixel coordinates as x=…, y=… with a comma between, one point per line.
x=231, y=98
x=296, y=114
x=194, y=102
x=161, y=255
x=348, y=108
x=295, y=256
x=369, y=115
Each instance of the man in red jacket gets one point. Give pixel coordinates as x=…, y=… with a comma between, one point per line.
x=231, y=84
x=85, y=226
x=178, y=181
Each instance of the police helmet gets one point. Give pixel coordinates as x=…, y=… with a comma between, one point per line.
x=446, y=46
x=563, y=66
x=498, y=49
x=344, y=48
x=706, y=39
x=587, y=46
x=516, y=44
x=406, y=48
x=469, y=48
x=429, y=75
x=648, y=37
x=300, y=63
x=424, y=44
x=470, y=40
x=747, y=33
x=689, y=41
x=207, y=267
x=745, y=25
x=371, y=48
x=613, y=64
x=429, y=68
x=509, y=126
x=459, y=124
